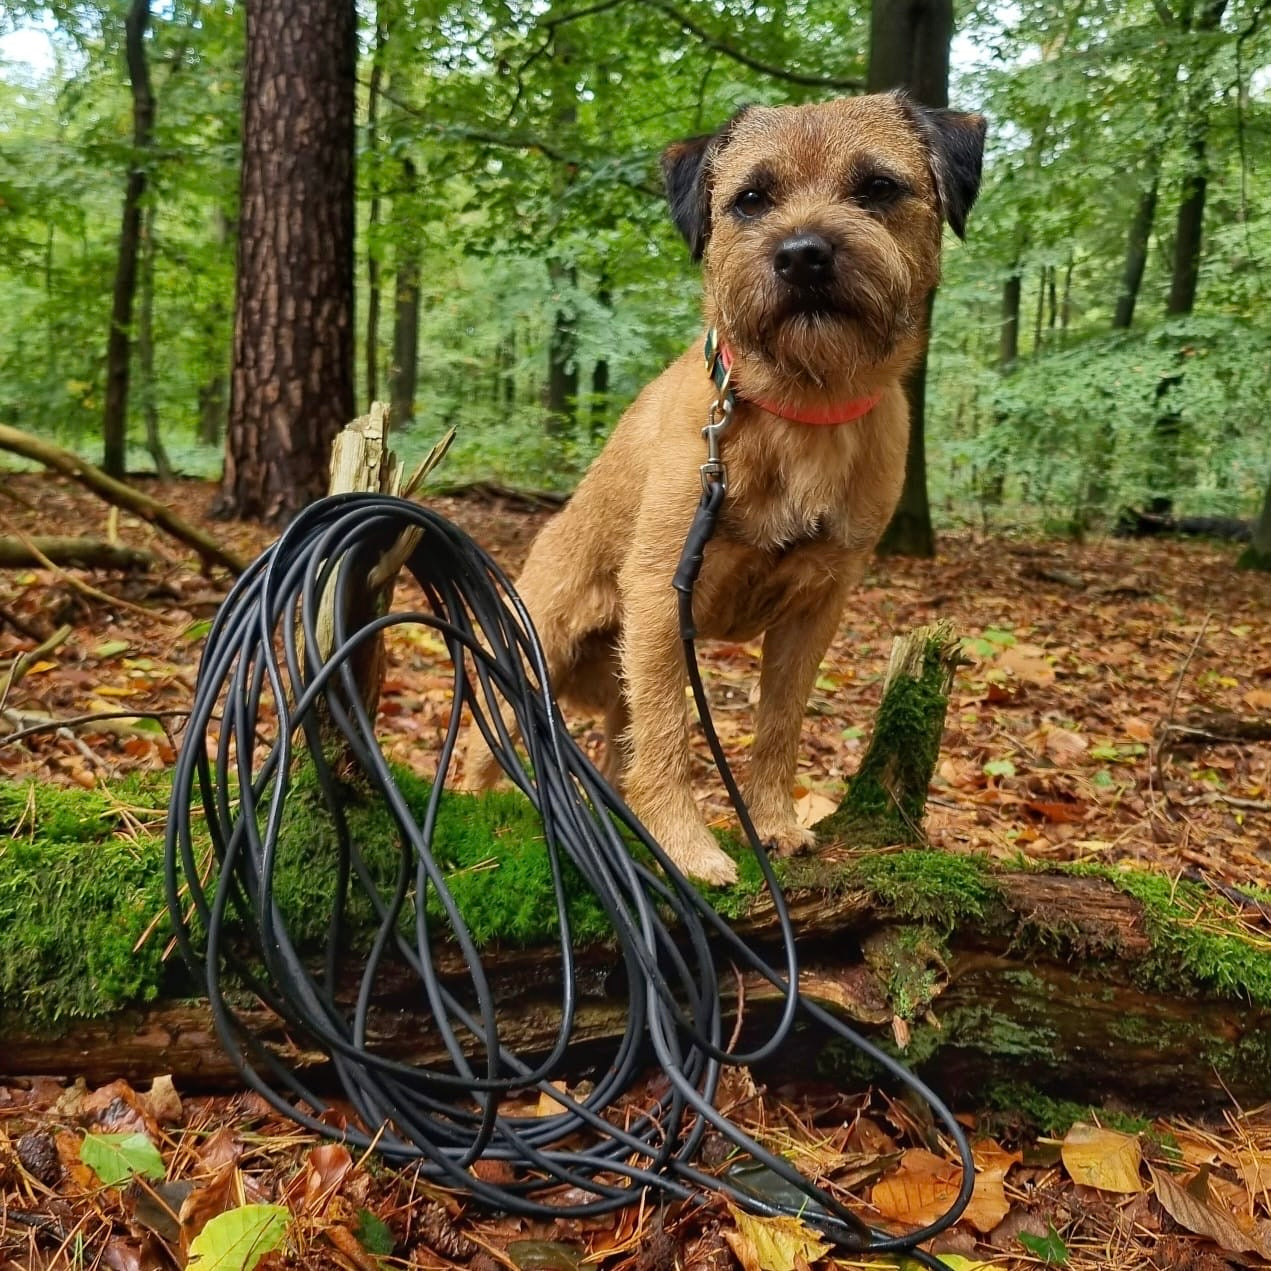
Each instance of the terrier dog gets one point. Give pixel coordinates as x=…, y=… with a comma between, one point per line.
x=819, y=227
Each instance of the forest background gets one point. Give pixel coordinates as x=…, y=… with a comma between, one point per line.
x=1097, y=340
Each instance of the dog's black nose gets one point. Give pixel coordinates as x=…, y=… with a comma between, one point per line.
x=804, y=260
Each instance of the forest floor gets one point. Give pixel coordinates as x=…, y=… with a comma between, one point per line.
x=1066, y=741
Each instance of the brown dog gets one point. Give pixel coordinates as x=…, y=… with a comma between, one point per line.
x=820, y=229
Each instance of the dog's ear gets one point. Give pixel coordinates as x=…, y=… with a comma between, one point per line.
x=956, y=143
x=686, y=171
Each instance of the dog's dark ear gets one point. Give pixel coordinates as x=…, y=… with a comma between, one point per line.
x=956, y=142
x=686, y=171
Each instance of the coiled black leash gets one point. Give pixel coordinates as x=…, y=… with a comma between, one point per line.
x=264, y=648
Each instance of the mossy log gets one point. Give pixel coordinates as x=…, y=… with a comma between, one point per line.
x=1087, y=984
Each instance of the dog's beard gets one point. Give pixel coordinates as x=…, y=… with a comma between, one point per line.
x=822, y=338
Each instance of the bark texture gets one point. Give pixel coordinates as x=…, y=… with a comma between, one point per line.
x=909, y=48
x=403, y=373
x=119, y=343
x=291, y=389
x=1046, y=990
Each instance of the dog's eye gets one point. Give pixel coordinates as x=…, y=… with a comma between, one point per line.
x=752, y=203
x=878, y=191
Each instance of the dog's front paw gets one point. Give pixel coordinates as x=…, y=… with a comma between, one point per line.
x=788, y=839
x=694, y=849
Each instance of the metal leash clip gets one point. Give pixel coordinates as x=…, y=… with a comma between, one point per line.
x=717, y=421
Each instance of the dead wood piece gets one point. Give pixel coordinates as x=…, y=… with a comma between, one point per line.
x=119, y=494
x=77, y=553
x=1217, y=728
x=1048, y=992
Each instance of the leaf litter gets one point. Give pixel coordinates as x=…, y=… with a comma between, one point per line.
x=1058, y=746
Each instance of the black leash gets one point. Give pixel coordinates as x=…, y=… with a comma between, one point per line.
x=264, y=648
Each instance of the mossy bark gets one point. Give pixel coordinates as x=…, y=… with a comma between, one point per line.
x=886, y=799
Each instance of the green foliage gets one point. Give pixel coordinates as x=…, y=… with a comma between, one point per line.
x=1056, y=1116
x=1050, y=1248
x=115, y=1158
x=239, y=1238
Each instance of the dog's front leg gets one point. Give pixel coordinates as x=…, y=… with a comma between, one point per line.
x=658, y=786
x=792, y=651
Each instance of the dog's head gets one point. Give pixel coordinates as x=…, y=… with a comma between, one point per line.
x=820, y=230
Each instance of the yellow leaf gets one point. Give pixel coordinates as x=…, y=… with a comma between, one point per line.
x=111, y=690
x=773, y=1244
x=39, y=668
x=920, y=1191
x=549, y=1107
x=1102, y=1158
x=988, y=1202
x=812, y=807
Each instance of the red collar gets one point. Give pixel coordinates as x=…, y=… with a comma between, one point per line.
x=719, y=362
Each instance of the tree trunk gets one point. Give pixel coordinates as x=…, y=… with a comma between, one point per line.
x=909, y=48
x=373, y=213
x=1008, y=345
x=145, y=351
x=1040, y=315
x=405, y=368
x=1136, y=248
x=598, y=420
x=292, y=385
x=1258, y=554
x=118, y=347
x=1190, y=226
x=213, y=393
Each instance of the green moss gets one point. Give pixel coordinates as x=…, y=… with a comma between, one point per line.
x=1055, y=1116
x=939, y=888
x=1198, y=944
x=76, y=895
x=886, y=799
x=912, y=963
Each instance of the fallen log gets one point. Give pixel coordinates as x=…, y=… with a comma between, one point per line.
x=74, y=553
x=119, y=494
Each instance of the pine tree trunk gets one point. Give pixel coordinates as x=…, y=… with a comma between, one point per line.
x=403, y=372
x=373, y=214
x=909, y=48
x=118, y=347
x=292, y=385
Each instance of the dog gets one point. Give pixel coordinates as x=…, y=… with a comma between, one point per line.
x=819, y=228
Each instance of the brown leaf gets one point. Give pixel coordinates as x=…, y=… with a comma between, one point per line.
x=329, y=1164
x=351, y=1248
x=988, y=1202
x=1199, y=1215
x=920, y=1191
x=222, y=1149
x=1104, y=1159
x=224, y=1191
x=162, y=1102
x=1064, y=747
x=1027, y=664
x=1057, y=811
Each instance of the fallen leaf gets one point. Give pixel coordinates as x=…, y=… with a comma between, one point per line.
x=162, y=1102
x=772, y=1244
x=1104, y=1159
x=988, y=1202
x=329, y=1165
x=1065, y=747
x=1203, y=1218
x=237, y=1239
x=1258, y=699
x=115, y=1158
x=812, y=807
x=920, y=1191
x=1027, y=664
x=221, y=1193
